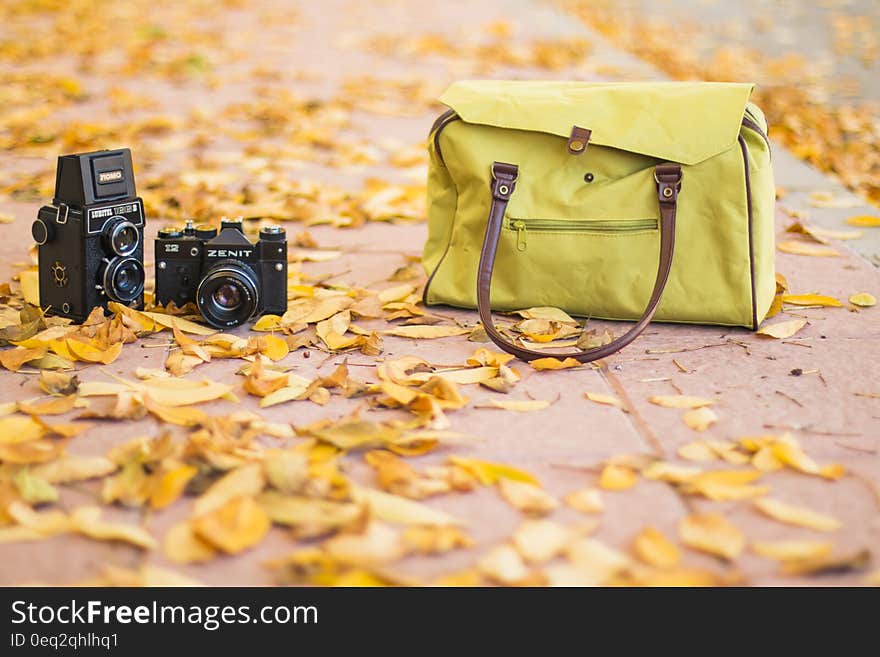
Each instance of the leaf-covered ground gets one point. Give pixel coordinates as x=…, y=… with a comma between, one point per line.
x=362, y=438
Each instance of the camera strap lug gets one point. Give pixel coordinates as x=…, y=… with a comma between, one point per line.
x=58, y=218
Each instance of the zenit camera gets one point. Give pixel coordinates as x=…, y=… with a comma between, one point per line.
x=230, y=278
x=91, y=239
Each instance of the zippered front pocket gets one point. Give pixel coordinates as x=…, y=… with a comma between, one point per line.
x=586, y=227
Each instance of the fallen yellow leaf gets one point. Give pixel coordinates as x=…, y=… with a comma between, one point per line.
x=600, y=398
x=810, y=300
x=547, y=313
x=792, y=550
x=700, y=419
x=652, y=547
x=182, y=545
x=587, y=500
x=87, y=521
x=712, y=533
x=865, y=221
x=680, y=401
x=378, y=544
x=617, y=477
x=538, y=541
x=267, y=323
x=234, y=527
x=520, y=406
x=550, y=363
x=527, y=497
x=504, y=565
x=426, y=332
x=782, y=330
x=170, y=485
x=863, y=300
x=488, y=473
x=807, y=249
x=796, y=515
x=396, y=509
x=30, y=286
x=245, y=481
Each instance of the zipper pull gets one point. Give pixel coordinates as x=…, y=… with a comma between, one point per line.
x=520, y=227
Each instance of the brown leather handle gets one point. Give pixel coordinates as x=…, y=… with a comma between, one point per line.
x=504, y=177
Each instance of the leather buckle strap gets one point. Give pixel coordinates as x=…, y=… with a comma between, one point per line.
x=668, y=177
x=504, y=177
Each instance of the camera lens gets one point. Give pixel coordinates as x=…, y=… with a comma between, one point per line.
x=228, y=294
x=123, y=279
x=121, y=236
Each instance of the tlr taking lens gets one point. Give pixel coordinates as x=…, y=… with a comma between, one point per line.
x=123, y=279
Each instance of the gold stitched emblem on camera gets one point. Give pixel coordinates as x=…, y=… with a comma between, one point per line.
x=59, y=273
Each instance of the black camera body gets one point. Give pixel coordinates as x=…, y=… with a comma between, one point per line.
x=230, y=278
x=91, y=239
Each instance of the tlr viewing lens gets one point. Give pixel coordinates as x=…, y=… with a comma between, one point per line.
x=123, y=236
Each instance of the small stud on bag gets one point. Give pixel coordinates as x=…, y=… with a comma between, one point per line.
x=674, y=223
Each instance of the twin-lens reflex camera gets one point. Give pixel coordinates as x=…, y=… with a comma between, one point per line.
x=91, y=239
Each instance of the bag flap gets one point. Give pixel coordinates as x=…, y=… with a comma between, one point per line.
x=684, y=122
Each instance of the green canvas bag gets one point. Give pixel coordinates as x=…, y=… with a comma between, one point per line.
x=625, y=201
